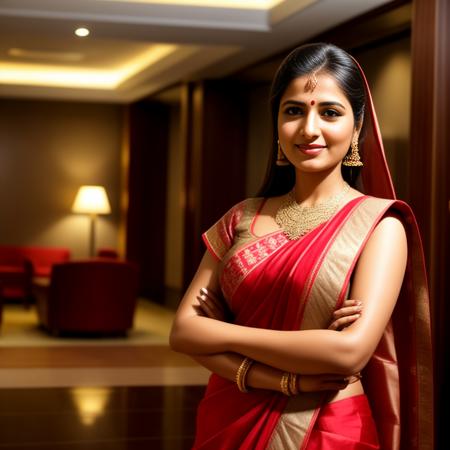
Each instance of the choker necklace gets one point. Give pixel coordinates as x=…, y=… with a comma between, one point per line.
x=297, y=220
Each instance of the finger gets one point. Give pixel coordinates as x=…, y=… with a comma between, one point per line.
x=352, y=379
x=331, y=377
x=210, y=294
x=335, y=385
x=208, y=310
x=204, y=293
x=205, y=308
x=202, y=311
x=351, y=302
x=344, y=322
x=198, y=309
x=211, y=305
x=346, y=311
x=217, y=303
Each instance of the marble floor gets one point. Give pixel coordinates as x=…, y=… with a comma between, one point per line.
x=103, y=394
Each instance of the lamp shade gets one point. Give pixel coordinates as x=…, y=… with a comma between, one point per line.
x=91, y=200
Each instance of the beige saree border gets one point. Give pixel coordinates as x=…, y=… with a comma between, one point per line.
x=328, y=285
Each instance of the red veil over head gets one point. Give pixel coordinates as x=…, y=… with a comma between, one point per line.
x=399, y=378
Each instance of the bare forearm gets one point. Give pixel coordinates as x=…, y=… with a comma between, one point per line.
x=306, y=352
x=198, y=335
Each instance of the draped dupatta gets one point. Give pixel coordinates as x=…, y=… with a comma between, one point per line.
x=399, y=378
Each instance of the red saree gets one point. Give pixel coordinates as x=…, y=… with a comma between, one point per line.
x=272, y=282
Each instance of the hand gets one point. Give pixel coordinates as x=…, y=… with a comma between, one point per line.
x=325, y=382
x=211, y=306
x=346, y=315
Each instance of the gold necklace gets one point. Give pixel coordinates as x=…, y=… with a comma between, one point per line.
x=297, y=220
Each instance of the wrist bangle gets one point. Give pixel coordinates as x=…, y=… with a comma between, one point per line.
x=293, y=384
x=241, y=374
x=284, y=384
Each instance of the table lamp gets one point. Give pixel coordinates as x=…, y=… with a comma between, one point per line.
x=91, y=200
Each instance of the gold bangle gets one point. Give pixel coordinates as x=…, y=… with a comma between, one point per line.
x=293, y=383
x=241, y=374
x=284, y=384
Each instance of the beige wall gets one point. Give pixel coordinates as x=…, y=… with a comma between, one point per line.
x=388, y=71
x=47, y=150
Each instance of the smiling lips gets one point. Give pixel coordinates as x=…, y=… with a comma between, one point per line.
x=310, y=149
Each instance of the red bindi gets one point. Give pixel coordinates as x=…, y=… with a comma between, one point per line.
x=313, y=102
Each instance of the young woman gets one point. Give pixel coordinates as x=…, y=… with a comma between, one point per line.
x=310, y=305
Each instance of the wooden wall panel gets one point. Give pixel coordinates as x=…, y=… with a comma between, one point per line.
x=430, y=166
x=216, y=154
x=148, y=143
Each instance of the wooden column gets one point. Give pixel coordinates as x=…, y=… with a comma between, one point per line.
x=147, y=180
x=430, y=167
x=215, y=132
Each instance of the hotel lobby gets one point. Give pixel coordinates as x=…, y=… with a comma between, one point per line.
x=127, y=129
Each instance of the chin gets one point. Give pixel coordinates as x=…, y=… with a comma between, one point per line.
x=315, y=166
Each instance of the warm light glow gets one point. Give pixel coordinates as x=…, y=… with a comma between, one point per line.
x=56, y=56
x=82, y=32
x=91, y=200
x=52, y=75
x=91, y=403
x=241, y=4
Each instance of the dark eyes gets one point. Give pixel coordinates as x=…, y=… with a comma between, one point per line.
x=296, y=110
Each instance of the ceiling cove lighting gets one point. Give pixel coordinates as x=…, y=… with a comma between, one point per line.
x=23, y=53
x=238, y=4
x=57, y=76
x=82, y=32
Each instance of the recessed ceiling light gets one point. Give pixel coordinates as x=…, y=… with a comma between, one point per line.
x=82, y=32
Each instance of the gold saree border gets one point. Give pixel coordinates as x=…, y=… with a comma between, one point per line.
x=242, y=213
x=328, y=284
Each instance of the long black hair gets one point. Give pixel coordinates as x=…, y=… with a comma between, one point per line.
x=304, y=60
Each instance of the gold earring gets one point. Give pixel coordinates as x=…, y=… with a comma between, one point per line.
x=281, y=158
x=353, y=159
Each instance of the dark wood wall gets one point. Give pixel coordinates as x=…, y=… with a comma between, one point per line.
x=216, y=114
x=430, y=168
x=148, y=134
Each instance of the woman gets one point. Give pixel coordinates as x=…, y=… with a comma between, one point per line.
x=289, y=263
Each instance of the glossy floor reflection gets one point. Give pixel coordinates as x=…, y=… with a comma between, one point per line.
x=103, y=418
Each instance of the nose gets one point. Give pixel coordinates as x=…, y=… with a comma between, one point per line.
x=309, y=127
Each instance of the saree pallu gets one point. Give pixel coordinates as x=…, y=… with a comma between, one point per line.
x=274, y=283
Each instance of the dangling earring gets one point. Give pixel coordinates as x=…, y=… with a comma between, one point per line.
x=281, y=159
x=353, y=159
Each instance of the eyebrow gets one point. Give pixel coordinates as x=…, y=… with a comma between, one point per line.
x=295, y=102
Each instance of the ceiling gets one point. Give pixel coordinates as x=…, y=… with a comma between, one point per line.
x=139, y=47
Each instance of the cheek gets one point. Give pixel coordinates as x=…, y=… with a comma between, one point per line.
x=287, y=129
x=338, y=135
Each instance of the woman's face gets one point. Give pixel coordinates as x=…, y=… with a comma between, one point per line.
x=315, y=123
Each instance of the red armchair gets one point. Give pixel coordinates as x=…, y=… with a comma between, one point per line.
x=18, y=265
x=96, y=296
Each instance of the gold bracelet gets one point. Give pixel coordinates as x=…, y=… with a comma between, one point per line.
x=241, y=374
x=284, y=384
x=293, y=383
